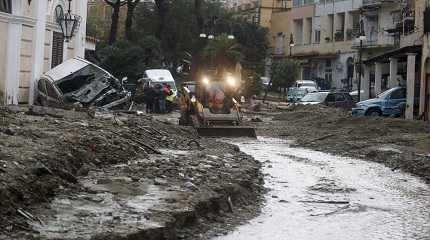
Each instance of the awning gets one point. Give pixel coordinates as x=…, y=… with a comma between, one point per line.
x=400, y=52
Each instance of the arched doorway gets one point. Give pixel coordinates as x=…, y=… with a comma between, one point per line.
x=427, y=90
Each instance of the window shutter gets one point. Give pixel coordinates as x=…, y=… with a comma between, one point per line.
x=57, y=49
x=427, y=20
x=6, y=6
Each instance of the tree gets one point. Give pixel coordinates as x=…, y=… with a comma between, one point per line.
x=116, y=6
x=131, y=6
x=284, y=73
x=127, y=59
x=162, y=10
x=198, y=14
x=223, y=53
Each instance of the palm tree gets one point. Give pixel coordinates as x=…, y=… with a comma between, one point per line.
x=223, y=53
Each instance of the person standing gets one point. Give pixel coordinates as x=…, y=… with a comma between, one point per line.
x=161, y=99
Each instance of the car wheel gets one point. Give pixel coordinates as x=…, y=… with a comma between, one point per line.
x=374, y=113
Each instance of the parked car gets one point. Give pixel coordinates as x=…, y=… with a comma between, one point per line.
x=308, y=85
x=295, y=94
x=389, y=103
x=77, y=81
x=332, y=99
x=354, y=94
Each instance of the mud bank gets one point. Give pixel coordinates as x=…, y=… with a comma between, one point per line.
x=397, y=143
x=117, y=177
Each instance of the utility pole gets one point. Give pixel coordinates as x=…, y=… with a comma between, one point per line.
x=360, y=69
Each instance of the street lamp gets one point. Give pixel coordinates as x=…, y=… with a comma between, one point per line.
x=361, y=38
x=210, y=27
x=291, y=44
x=68, y=22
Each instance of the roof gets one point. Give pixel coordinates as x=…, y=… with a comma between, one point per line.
x=69, y=67
x=159, y=75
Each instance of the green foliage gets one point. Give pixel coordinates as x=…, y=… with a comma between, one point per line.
x=125, y=58
x=223, y=53
x=252, y=83
x=285, y=72
x=180, y=34
x=254, y=44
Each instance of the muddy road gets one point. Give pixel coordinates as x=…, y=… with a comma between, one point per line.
x=318, y=196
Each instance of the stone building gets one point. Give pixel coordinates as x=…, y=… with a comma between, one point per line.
x=395, y=49
x=31, y=43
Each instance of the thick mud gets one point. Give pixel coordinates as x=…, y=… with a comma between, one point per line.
x=318, y=196
x=69, y=175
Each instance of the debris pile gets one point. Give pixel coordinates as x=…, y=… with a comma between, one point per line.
x=45, y=159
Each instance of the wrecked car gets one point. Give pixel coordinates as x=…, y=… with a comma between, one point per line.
x=77, y=82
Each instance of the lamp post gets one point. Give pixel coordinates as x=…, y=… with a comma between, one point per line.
x=291, y=44
x=68, y=22
x=361, y=37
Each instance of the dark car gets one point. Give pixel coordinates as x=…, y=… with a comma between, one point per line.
x=331, y=99
x=77, y=81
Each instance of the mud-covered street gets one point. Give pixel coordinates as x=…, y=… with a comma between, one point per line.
x=314, y=195
x=69, y=175
x=112, y=175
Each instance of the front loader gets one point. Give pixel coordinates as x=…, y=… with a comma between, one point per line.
x=209, y=104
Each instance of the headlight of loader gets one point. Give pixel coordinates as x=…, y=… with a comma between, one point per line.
x=231, y=81
x=206, y=81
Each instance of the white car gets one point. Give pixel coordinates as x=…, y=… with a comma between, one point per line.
x=161, y=76
x=308, y=85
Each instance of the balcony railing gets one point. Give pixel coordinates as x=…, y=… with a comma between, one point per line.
x=378, y=2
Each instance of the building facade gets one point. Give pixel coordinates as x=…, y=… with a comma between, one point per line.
x=423, y=23
x=31, y=43
x=395, y=50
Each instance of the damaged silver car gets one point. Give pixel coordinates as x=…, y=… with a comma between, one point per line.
x=79, y=82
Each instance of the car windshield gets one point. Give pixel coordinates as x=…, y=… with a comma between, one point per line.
x=80, y=78
x=306, y=85
x=385, y=94
x=314, y=97
x=296, y=92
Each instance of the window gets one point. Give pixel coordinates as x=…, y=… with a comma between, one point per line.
x=340, y=98
x=41, y=86
x=317, y=36
x=398, y=94
x=51, y=91
x=57, y=49
x=330, y=98
x=108, y=13
x=6, y=6
x=297, y=3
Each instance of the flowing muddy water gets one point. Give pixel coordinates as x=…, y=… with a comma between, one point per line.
x=317, y=196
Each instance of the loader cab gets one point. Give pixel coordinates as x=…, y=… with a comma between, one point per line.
x=216, y=93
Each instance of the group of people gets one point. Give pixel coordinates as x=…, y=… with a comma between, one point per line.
x=158, y=98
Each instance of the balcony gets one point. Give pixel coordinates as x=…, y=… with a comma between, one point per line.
x=387, y=42
x=375, y=4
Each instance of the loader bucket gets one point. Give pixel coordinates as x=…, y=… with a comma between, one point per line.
x=226, y=131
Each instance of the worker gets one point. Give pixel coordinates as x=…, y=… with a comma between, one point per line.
x=161, y=98
x=170, y=97
x=148, y=98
